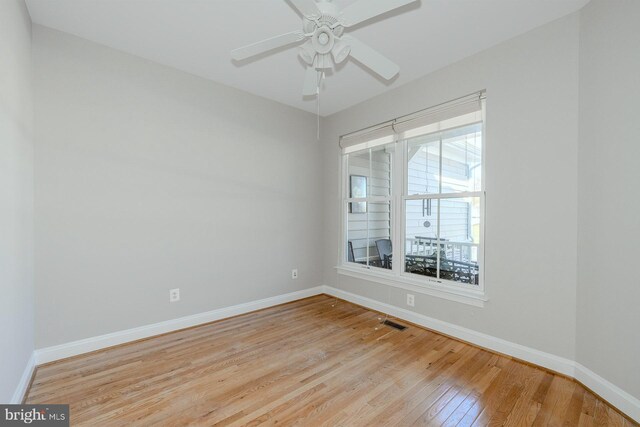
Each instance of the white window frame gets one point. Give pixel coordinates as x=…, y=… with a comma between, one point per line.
x=396, y=277
x=346, y=200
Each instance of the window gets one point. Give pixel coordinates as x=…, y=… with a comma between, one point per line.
x=414, y=198
x=368, y=205
x=442, y=204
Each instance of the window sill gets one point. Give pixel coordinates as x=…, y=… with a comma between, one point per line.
x=448, y=292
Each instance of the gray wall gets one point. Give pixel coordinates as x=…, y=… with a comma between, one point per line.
x=16, y=195
x=531, y=166
x=149, y=179
x=608, y=335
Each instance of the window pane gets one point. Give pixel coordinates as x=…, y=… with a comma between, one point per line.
x=460, y=237
x=442, y=238
x=359, y=164
x=423, y=165
x=380, y=183
x=421, y=237
x=370, y=172
x=462, y=159
x=369, y=235
x=451, y=158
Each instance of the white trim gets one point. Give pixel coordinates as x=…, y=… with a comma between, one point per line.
x=74, y=348
x=547, y=360
x=613, y=394
x=373, y=199
x=438, y=196
x=402, y=281
x=25, y=379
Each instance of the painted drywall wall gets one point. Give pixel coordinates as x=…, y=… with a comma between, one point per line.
x=16, y=195
x=608, y=334
x=531, y=184
x=149, y=179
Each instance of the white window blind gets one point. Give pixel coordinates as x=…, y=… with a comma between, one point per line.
x=460, y=112
x=368, y=138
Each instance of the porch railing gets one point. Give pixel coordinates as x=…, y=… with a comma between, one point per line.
x=454, y=251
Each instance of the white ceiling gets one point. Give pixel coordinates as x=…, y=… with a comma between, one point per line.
x=196, y=36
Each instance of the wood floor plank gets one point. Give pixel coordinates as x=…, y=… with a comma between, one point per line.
x=496, y=391
x=313, y=362
x=458, y=414
x=418, y=402
x=522, y=407
x=572, y=416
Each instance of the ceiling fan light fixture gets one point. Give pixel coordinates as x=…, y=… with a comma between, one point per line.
x=323, y=40
x=340, y=51
x=307, y=53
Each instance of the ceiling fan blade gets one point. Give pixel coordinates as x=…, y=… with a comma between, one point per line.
x=307, y=8
x=366, y=9
x=310, y=87
x=370, y=58
x=267, y=45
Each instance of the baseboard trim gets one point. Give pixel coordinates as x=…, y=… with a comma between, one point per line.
x=74, y=348
x=623, y=401
x=617, y=397
x=540, y=358
x=25, y=380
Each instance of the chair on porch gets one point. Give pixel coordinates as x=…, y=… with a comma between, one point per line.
x=384, y=251
x=350, y=256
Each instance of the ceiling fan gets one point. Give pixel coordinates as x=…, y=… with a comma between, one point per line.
x=325, y=43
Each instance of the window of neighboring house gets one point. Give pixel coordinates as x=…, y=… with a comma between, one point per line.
x=414, y=197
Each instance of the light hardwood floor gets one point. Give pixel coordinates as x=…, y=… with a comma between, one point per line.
x=310, y=363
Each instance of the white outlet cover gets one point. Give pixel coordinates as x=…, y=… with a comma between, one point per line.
x=174, y=295
x=411, y=301
x=294, y=274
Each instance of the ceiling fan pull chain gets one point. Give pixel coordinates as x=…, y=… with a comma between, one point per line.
x=318, y=102
x=320, y=79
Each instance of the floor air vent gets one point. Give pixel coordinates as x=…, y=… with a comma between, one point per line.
x=395, y=325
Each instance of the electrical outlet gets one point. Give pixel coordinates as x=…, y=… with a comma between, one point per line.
x=174, y=295
x=411, y=300
x=294, y=273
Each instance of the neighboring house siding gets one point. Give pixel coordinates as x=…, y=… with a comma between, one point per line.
x=423, y=178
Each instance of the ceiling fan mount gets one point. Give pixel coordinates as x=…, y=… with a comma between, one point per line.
x=324, y=41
